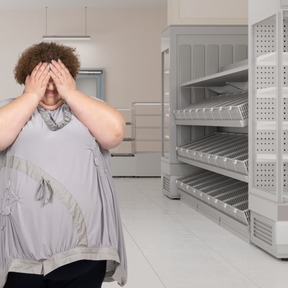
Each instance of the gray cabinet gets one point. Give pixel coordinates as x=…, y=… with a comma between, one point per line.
x=205, y=161
x=268, y=129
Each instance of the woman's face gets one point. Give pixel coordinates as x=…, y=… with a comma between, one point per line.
x=51, y=89
x=51, y=99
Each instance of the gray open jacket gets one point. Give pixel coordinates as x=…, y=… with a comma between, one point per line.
x=57, y=201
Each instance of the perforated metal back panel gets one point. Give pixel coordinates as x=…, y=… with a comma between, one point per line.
x=266, y=142
x=265, y=107
x=265, y=43
x=285, y=178
x=285, y=35
x=268, y=125
x=285, y=107
x=265, y=36
x=265, y=176
x=270, y=108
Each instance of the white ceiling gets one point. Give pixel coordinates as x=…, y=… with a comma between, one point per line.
x=66, y=4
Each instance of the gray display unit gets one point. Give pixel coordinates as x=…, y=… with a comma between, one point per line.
x=171, y=168
x=197, y=64
x=268, y=129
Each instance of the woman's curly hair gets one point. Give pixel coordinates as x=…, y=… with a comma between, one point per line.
x=45, y=52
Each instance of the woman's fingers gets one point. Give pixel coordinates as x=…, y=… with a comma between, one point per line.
x=59, y=68
x=42, y=71
x=62, y=67
x=45, y=76
x=39, y=71
x=35, y=70
x=36, y=82
x=61, y=76
x=60, y=73
x=56, y=73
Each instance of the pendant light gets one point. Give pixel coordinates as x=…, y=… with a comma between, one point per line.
x=66, y=37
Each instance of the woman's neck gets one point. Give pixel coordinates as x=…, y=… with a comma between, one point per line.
x=51, y=106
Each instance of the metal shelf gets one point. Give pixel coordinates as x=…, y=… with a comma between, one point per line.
x=218, y=170
x=227, y=195
x=238, y=74
x=224, y=153
x=218, y=123
x=227, y=110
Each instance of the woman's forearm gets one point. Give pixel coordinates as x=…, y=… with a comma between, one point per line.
x=14, y=116
x=104, y=122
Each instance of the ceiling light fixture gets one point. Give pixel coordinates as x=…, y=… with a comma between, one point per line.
x=66, y=37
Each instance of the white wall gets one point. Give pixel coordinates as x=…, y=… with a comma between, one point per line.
x=208, y=12
x=126, y=43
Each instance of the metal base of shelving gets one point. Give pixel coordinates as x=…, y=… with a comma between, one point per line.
x=170, y=173
x=225, y=221
x=269, y=235
x=169, y=188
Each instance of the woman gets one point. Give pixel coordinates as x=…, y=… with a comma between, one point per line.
x=59, y=219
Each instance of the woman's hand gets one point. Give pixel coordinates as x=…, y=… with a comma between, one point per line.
x=15, y=114
x=36, y=83
x=62, y=78
x=103, y=121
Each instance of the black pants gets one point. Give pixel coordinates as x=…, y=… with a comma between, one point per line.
x=80, y=274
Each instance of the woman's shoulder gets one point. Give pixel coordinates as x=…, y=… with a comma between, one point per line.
x=6, y=101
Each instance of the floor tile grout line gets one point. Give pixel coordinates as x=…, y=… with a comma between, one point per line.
x=146, y=259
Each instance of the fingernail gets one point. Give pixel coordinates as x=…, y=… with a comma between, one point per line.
x=59, y=60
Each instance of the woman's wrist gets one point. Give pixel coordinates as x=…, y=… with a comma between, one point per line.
x=33, y=94
x=68, y=94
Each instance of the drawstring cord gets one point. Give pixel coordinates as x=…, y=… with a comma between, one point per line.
x=44, y=192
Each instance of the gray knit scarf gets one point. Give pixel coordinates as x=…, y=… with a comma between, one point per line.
x=49, y=119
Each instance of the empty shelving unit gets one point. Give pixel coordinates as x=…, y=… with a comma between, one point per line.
x=268, y=128
x=234, y=160
x=205, y=114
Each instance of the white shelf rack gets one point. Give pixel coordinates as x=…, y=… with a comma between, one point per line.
x=237, y=74
x=208, y=93
x=217, y=123
x=226, y=151
x=227, y=195
x=227, y=110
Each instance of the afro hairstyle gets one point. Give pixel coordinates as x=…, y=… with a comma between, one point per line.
x=45, y=52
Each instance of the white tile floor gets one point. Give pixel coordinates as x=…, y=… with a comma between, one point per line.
x=173, y=246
